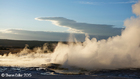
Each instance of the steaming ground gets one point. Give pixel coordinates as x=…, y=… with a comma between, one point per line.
x=26, y=58
x=116, y=52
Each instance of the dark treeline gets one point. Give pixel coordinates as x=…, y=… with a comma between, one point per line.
x=21, y=43
x=14, y=46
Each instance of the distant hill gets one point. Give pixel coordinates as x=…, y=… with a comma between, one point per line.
x=21, y=43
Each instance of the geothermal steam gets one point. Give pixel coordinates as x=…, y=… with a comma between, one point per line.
x=115, y=52
x=27, y=57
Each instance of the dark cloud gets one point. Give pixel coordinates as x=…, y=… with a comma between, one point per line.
x=77, y=27
x=43, y=36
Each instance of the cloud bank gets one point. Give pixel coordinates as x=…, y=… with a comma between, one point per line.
x=77, y=27
x=99, y=31
x=17, y=34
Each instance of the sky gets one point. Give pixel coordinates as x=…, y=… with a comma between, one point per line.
x=55, y=20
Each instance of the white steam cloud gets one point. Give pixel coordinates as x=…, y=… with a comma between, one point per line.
x=136, y=8
x=116, y=52
x=27, y=57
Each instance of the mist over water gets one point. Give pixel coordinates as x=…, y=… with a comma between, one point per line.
x=116, y=52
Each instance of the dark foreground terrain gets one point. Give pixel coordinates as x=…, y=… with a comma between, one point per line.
x=48, y=73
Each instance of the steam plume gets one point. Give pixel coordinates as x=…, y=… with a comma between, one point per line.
x=116, y=52
x=27, y=57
